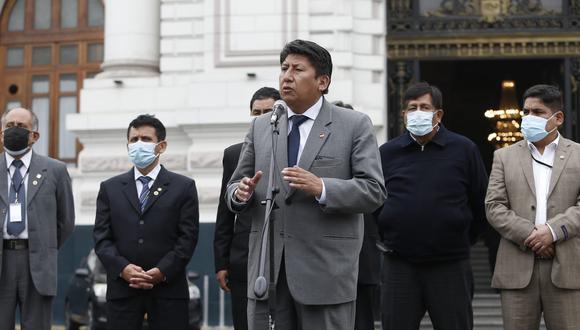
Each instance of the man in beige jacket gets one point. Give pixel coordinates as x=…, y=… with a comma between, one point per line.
x=533, y=201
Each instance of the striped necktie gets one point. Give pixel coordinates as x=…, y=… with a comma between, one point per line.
x=144, y=192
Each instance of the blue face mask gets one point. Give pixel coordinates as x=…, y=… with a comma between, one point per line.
x=142, y=154
x=420, y=123
x=534, y=128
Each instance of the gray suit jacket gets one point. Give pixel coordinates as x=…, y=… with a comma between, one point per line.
x=321, y=243
x=511, y=209
x=50, y=211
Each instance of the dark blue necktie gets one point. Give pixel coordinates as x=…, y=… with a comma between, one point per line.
x=144, y=192
x=294, y=139
x=17, y=194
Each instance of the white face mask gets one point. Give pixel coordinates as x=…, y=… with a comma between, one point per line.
x=534, y=127
x=419, y=122
x=142, y=154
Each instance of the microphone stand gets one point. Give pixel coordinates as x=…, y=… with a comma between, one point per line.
x=261, y=285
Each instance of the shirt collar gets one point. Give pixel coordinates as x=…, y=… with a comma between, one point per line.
x=311, y=113
x=153, y=174
x=439, y=138
x=26, y=158
x=552, y=145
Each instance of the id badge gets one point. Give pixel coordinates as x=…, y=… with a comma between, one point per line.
x=15, y=212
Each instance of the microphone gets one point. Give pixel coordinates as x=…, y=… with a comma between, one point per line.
x=277, y=110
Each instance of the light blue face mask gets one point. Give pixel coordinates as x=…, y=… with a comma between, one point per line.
x=419, y=122
x=534, y=128
x=142, y=154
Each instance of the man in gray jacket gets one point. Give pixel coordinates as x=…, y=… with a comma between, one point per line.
x=37, y=216
x=329, y=173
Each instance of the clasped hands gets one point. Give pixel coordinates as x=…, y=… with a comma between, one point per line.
x=297, y=177
x=140, y=279
x=541, y=241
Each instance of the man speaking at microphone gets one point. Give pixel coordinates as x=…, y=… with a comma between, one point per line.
x=328, y=173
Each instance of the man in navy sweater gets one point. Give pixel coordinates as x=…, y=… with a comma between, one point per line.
x=436, y=183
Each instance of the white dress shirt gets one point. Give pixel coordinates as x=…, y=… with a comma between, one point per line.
x=542, y=174
x=153, y=175
x=305, y=129
x=23, y=170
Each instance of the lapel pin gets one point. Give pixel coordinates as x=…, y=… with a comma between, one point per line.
x=34, y=183
x=38, y=176
x=159, y=189
x=156, y=193
x=321, y=135
x=561, y=157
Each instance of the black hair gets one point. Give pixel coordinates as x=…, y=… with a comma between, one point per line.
x=417, y=90
x=343, y=105
x=551, y=96
x=265, y=93
x=148, y=120
x=318, y=56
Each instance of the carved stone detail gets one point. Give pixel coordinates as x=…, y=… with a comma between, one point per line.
x=466, y=48
x=206, y=160
x=122, y=163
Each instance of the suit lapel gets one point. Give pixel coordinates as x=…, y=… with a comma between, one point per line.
x=318, y=136
x=3, y=188
x=158, y=188
x=282, y=149
x=130, y=190
x=4, y=180
x=36, y=177
x=560, y=159
x=526, y=165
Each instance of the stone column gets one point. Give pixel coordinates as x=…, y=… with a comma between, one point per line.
x=131, y=38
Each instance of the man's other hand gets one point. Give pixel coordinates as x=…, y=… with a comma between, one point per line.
x=136, y=277
x=246, y=187
x=222, y=278
x=301, y=179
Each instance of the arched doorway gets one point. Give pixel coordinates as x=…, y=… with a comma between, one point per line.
x=47, y=48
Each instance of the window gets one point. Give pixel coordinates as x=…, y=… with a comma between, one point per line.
x=49, y=47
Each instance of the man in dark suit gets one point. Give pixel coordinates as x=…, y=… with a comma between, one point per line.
x=146, y=230
x=369, y=269
x=369, y=274
x=38, y=216
x=231, y=233
x=328, y=173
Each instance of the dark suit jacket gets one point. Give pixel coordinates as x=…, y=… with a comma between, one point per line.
x=230, y=244
x=369, y=265
x=164, y=236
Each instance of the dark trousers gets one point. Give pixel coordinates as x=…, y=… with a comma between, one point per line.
x=366, y=295
x=239, y=295
x=162, y=314
x=444, y=289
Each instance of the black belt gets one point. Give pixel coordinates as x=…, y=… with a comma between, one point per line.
x=539, y=257
x=15, y=244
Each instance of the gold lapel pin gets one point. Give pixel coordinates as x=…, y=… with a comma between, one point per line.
x=38, y=176
x=156, y=193
x=34, y=183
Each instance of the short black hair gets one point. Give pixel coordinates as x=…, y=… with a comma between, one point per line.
x=417, y=90
x=148, y=120
x=343, y=105
x=551, y=96
x=318, y=56
x=265, y=93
